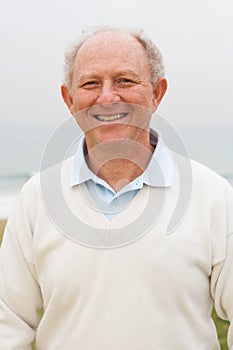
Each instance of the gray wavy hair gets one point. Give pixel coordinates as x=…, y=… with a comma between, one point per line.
x=152, y=51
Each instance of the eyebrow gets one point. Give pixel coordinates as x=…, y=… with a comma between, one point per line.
x=95, y=75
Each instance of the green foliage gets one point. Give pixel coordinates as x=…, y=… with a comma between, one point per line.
x=2, y=226
x=222, y=328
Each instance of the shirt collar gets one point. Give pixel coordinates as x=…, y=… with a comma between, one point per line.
x=159, y=172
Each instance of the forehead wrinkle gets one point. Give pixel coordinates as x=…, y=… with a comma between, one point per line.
x=97, y=74
x=107, y=65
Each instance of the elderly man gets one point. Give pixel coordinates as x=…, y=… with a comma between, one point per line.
x=104, y=268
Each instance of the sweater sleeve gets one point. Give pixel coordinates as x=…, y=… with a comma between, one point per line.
x=222, y=274
x=20, y=297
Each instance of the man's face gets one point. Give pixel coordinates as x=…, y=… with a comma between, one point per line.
x=111, y=95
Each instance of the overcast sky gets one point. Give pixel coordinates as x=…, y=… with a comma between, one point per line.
x=195, y=38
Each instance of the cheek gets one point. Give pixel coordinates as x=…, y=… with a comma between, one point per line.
x=143, y=93
x=82, y=101
x=143, y=97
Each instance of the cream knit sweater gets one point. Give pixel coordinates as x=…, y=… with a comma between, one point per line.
x=155, y=293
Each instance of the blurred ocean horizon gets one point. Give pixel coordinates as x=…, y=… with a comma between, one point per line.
x=22, y=148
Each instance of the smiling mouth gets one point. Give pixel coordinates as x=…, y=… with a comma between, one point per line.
x=109, y=118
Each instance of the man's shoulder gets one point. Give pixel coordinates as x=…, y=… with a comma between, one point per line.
x=206, y=175
x=45, y=184
x=200, y=177
x=50, y=174
x=199, y=170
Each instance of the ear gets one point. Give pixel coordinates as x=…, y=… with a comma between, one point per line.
x=160, y=88
x=67, y=98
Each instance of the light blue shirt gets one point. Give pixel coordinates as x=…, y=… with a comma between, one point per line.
x=159, y=173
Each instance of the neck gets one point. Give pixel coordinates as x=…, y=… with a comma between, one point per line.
x=119, y=162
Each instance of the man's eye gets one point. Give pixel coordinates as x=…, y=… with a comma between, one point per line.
x=125, y=82
x=89, y=83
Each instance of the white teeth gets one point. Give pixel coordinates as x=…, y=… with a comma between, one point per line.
x=109, y=118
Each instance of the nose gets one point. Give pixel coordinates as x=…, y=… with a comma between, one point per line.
x=108, y=94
